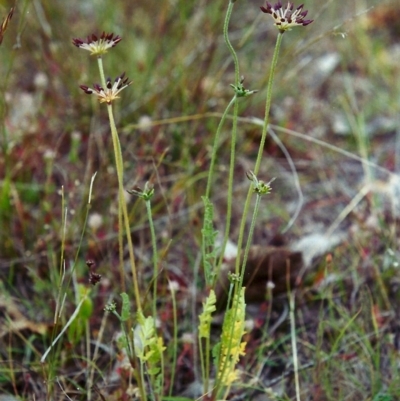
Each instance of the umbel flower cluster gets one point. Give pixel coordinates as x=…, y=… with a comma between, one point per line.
x=285, y=18
x=111, y=91
x=97, y=46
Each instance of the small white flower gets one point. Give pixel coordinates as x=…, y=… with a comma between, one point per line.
x=49, y=154
x=173, y=286
x=95, y=221
x=188, y=338
x=249, y=325
x=270, y=285
x=145, y=123
x=41, y=81
x=76, y=136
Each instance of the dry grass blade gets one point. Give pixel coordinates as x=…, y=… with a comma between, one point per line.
x=4, y=24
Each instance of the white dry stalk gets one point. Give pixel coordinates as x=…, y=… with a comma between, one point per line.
x=294, y=345
x=72, y=318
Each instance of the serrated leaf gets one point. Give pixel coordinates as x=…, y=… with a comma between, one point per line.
x=205, y=317
x=232, y=346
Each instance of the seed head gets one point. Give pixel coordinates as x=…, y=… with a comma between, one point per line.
x=259, y=187
x=146, y=193
x=285, y=18
x=240, y=90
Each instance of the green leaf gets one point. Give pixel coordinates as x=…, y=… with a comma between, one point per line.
x=76, y=329
x=5, y=196
x=205, y=317
x=232, y=346
x=209, y=236
x=126, y=307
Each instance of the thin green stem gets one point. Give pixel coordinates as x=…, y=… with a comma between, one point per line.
x=155, y=256
x=249, y=238
x=241, y=270
x=268, y=102
x=233, y=139
x=5, y=189
x=123, y=220
x=174, y=340
x=294, y=344
x=230, y=187
x=121, y=248
x=143, y=380
x=204, y=372
x=208, y=353
x=260, y=150
x=120, y=213
x=123, y=206
x=101, y=69
x=122, y=202
x=228, y=43
x=204, y=245
x=234, y=101
x=215, y=146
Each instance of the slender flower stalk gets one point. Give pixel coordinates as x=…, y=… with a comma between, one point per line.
x=173, y=286
x=146, y=194
x=208, y=235
x=101, y=71
x=268, y=102
x=107, y=92
x=230, y=186
x=215, y=146
x=294, y=344
x=121, y=246
x=155, y=256
x=260, y=188
x=259, y=155
x=227, y=41
x=233, y=137
x=205, y=357
x=284, y=19
x=122, y=202
x=230, y=347
x=120, y=214
x=240, y=91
